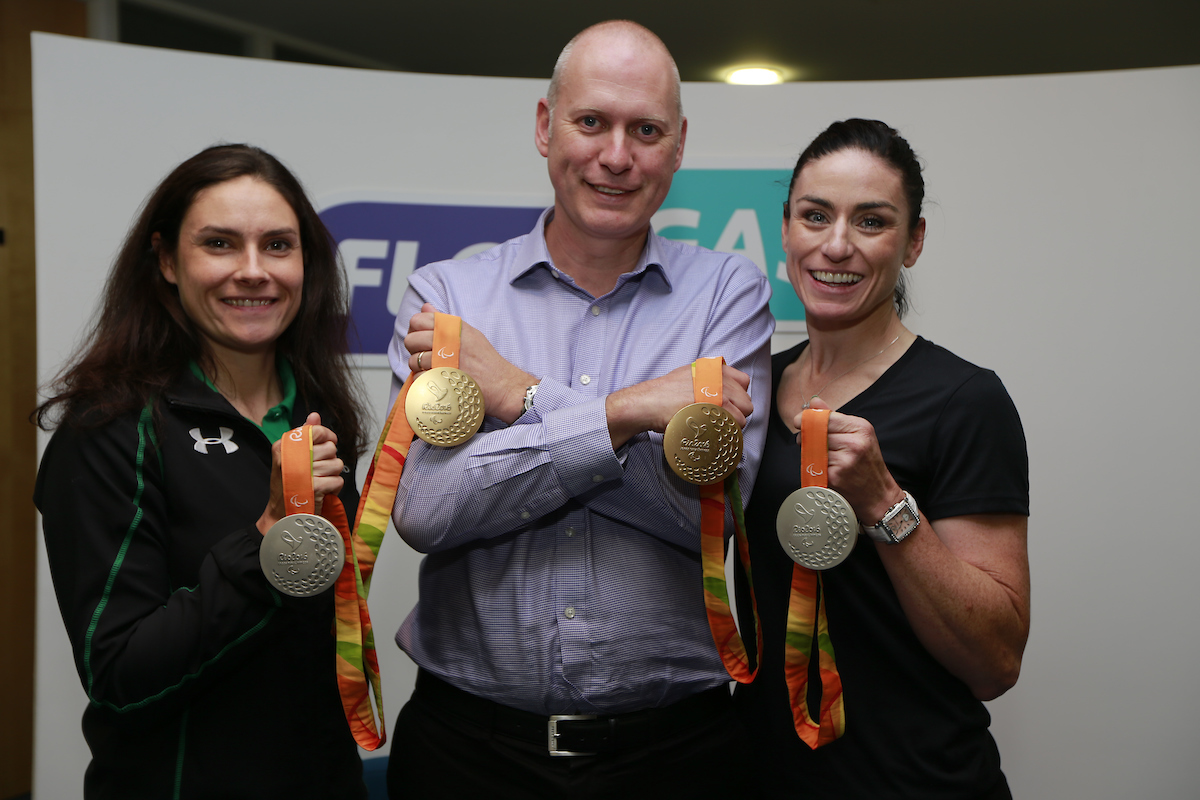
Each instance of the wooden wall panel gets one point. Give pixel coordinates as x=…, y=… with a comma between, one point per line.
x=18, y=376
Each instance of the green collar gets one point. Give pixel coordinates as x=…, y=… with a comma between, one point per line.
x=278, y=420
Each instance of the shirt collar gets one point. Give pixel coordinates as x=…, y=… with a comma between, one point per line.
x=533, y=254
x=287, y=385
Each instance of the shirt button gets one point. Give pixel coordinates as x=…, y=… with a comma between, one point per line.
x=595, y=311
x=585, y=379
x=597, y=479
x=524, y=515
x=570, y=532
x=569, y=613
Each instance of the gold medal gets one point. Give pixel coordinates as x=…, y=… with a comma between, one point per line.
x=444, y=406
x=703, y=443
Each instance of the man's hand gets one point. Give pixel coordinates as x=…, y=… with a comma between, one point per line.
x=502, y=384
x=649, y=406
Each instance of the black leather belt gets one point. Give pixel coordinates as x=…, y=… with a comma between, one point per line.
x=575, y=734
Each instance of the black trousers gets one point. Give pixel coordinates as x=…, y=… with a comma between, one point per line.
x=438, y=752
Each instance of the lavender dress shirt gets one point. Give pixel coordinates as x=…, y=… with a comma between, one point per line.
x=561, y=577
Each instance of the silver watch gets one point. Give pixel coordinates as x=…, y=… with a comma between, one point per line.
x=900, y=520
x=529, y=393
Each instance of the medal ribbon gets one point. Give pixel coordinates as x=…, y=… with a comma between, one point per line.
x=806, y=609
x=296, y=462
x=356, y=660
x=447, y=335
x=706, y=386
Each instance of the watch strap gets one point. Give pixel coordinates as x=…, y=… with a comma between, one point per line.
x=906, y=518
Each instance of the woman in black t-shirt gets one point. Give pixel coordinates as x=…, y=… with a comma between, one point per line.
x=927, y=620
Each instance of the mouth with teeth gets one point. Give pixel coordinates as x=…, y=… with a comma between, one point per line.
x=242, y=303
x=608, y=190
x=837, y=278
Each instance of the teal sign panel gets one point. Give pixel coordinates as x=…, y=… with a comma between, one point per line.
x=734, y=211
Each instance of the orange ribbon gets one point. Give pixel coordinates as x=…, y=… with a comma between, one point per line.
x=806, y=608
x=447, y=336
x=296, y=461
x=707, y=388
x=357, y=664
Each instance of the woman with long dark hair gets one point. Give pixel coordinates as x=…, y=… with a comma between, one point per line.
x=222, y=326
x=873, y=674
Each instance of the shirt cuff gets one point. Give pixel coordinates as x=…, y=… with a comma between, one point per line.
x=577, y=437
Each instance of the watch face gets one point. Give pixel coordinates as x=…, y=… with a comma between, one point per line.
x=902, y=523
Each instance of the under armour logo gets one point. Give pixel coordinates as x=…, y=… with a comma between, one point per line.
x=203, y=443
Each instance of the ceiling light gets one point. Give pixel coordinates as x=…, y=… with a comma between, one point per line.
x=754, y=76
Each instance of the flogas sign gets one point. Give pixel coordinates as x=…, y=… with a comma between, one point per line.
x=735, y=211
x=382, y=241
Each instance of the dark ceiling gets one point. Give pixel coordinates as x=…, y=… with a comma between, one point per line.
x=834, y=40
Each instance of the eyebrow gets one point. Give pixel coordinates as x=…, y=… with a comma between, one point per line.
x=209, y=229
x=821, y=201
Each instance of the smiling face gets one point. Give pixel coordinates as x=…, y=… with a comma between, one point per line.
x=238, y=266
x=846, y=237
x=616, y=137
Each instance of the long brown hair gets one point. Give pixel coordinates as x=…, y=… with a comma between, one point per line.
x=141, y=340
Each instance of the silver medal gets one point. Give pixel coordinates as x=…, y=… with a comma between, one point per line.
x=302, y=554
x=817, y=527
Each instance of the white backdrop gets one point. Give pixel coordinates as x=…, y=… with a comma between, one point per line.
x=1061, y=253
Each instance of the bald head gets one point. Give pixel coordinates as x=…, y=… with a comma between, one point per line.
x=614, y=35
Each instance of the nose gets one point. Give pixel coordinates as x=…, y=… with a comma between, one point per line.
x=251, y=268
x=616, y=155
x=838, y=245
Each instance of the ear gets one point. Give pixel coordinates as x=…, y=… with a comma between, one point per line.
x=166, y=261
x=916, y=243
x=682, y=139
x=541, y=129
x=783, y=233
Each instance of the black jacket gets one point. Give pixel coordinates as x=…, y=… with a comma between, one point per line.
x=203, y=680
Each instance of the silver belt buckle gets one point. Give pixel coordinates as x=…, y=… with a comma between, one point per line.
x=552, y=732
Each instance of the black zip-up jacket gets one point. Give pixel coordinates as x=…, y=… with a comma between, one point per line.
x=204, y=681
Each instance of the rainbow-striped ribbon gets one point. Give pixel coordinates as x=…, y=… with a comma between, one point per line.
x=357, y=661
x=706, y=373
x=806, y=609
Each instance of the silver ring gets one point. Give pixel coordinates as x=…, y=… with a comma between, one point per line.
x=419, y=360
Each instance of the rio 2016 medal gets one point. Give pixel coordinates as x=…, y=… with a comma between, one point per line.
x=444, y=406
x=703, y=443
x=302, y=554
x=817, y=527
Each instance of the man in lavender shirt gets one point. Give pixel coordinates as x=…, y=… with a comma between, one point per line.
x=563, y=570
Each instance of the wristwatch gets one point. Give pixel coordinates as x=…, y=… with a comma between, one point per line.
x=529, y=393
x=900, y=520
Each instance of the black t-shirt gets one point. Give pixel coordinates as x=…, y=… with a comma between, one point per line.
x=951, y=437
